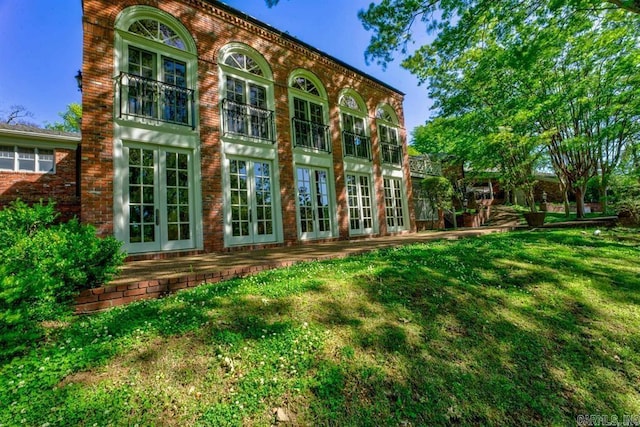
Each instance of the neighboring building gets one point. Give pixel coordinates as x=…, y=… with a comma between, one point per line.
x=39, y=164
x=205, y=129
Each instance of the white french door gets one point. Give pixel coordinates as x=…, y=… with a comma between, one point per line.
x=250, y=200
x=314, y=209
x=360, y=204
x=394, y=207
x=158, y=199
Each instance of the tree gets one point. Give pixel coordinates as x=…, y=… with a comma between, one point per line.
x=17, y=115
x=554, y=72
x=392, y=21
x=71, y=119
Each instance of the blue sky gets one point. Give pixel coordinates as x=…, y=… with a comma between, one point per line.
x=41, y=49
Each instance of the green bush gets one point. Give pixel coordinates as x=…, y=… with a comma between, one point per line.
x=43, y=266
x=626, y=198
x=438, y=191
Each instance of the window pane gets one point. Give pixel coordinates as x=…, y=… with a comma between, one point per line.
x=26, y=159
x=45, y=160
x=7, y=156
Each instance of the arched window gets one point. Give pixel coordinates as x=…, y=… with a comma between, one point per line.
x=157, y=65
x=157, y=31
x=305, y=85
x=349, y=102
x=309, y=109
x=355, y=139
x=247, y=105
x=243, y=62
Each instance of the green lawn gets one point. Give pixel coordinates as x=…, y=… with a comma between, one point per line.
x=527, y=328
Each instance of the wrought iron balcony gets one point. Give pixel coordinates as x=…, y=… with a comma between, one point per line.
x=422, y=166
x=247, y=120
x=311, y=135
x=356, y=145
x=391, y=154
x=153, y=99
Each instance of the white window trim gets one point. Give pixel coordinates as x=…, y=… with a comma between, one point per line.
x=36, y=164
x=360, y=113
x=124, y=39
x=321, y=100
x=374, y=202
x=149, y=132
x=265, y=81
x=403, y=196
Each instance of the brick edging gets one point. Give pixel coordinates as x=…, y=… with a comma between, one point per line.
x=104, y=297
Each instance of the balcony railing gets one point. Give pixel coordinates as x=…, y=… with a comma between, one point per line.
x=247, y=120
x=356, y=145
x=392, y=154
x=422, y=166
x=153, y=99
x=311, y=135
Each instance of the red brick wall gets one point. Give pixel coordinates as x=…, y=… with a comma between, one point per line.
x=31, y=187
x=213, y=28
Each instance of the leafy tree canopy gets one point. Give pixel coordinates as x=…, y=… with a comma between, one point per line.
x=71, y=119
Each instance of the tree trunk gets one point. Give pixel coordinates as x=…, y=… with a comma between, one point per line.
x=530, y=199
x=602, y=190
x=580, y=190
x=565, y=198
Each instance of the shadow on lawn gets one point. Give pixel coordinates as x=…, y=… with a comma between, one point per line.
x=526, y=349
x=438, y=334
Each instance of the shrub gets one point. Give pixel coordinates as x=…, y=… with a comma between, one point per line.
x=626, y=190
x=438, y=191
x=43, y=266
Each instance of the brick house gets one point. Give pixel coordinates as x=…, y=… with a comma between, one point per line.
x=39, y=164
x=207, y=130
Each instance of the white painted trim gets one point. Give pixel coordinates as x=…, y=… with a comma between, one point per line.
x=42, y=140
x=133, y=13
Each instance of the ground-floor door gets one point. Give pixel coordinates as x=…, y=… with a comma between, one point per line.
x=394, y=206
x=360, y=204
x=314, y=208
x=250, y=202
x=158, y=199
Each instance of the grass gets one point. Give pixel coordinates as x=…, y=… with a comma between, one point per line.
x=551, y=217
x=531, y=328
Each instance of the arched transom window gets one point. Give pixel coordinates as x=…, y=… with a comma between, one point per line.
x=349, y=102
x=385, y=115
x=157, y=31
x=244, y=63
x=305, y=85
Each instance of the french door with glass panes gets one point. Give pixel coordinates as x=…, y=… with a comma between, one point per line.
x=360, y=204
x=250, y=202
x=159, y=198
x=314, y=210
x=394, y=208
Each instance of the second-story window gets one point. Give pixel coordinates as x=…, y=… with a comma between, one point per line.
x=388, y=133
x=157, y=87
x=356, y=142
x=245, y=104
x=153, y=80
x=308, y=121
